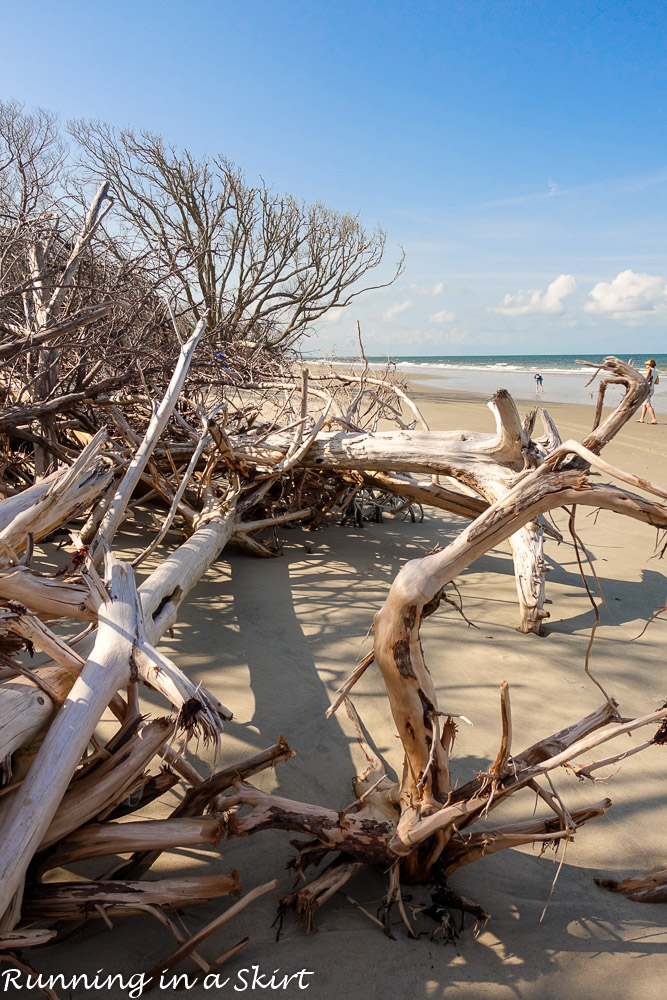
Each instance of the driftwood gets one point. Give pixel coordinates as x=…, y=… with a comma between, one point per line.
x=421, y=824
x=70, y=492
x=226, y=466
x=643, y=889
x=487, y=464
x=113, y=515
x=66, y=901
x=113, y=411
x=64, y=778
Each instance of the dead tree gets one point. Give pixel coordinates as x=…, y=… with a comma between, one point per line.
x=57, y=776
x=488, y=464
x=256, y=266
x=217, y=462
x=261, y=442
x=419, y=828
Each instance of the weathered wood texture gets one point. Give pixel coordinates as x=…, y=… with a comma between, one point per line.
x=264, y=454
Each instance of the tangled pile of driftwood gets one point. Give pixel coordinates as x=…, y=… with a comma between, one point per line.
x=223, y=459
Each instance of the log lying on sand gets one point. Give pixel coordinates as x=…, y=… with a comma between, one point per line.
x=488, y=464
x=73, y=490
x=419, y=829
x=263, y=455
x=24, y=823
x=65, y=777
x=68, y=900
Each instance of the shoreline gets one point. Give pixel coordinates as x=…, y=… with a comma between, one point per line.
x=559, y=387
x=641, y=449
x=447, y=408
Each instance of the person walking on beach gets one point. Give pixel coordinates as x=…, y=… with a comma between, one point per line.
x=538, y=384
x=653, y=379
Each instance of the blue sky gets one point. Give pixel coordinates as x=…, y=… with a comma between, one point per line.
x=516, y=151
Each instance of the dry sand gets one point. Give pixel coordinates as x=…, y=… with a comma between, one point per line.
x=273, y=639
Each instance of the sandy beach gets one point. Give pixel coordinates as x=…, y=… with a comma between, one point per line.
x=263, y=266
x=273, y=639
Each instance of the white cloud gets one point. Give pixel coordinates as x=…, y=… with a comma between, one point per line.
x=444, y=316
x=628, y=292
x=536, y=302
x=394, y=310
x=333, y=315
x=436, y=289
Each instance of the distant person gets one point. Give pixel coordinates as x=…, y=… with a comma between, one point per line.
x=539, y=388
x=653, y=379
x=223, y=364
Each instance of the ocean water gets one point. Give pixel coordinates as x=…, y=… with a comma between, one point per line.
x=564, y=379
x=546, y=364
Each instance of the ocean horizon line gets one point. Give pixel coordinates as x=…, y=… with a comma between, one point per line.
x=550, y=364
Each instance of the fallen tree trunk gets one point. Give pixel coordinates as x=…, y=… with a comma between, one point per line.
x=489, y=464
x=69, y=900
x=397, y=647
x=421, y=825
x=242, y=474
x=26, y=820
x=161, y=596
x=68, y=493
